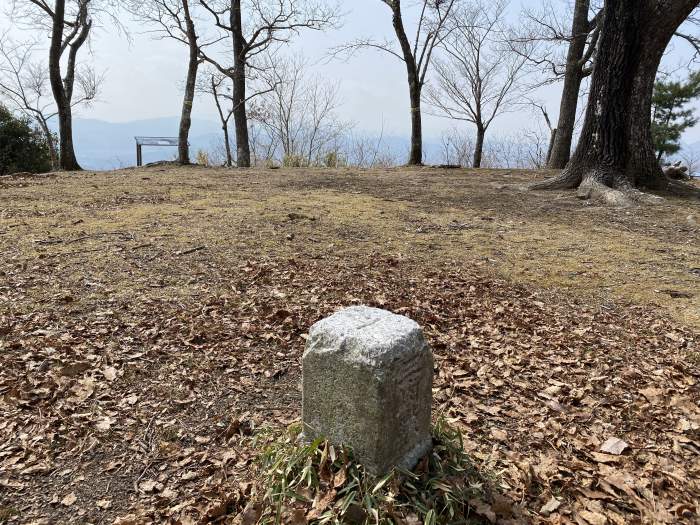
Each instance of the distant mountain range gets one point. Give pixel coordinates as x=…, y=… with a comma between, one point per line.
x=102, y=145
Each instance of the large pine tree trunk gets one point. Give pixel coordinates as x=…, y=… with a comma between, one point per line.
x=615, y=154
x=561, y=149
x=183, y=145
x=240, y=114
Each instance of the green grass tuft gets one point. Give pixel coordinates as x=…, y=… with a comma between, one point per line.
x=320, y=483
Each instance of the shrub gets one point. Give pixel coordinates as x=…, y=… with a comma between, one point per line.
x=293, y=161
x=22, y=148
x=202, y=158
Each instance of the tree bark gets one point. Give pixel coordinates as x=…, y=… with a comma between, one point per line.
x=479, y=146
x=50, y=143
x=183, y=145
x=561, y=150
x=415, y=86
x=615, y=154
x=224, y=123
x=240, y=115
x=62, y=89
x=415, y=157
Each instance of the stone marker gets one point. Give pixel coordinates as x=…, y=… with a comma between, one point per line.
x=367, y=383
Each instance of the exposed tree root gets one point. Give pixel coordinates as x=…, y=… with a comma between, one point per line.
x=611, y=188
x=623, y=196
x=567, y=180
x=682, y=189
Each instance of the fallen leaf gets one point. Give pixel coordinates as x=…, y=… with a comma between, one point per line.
x=147, y=486
x=499, y=434
x=69, y=499
x=614, y=446
x=551, y=506
x=594, y=518
x=104, y=424
x=110, y=373
x=605, y=458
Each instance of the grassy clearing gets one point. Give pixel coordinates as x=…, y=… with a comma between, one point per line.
x=645, y=255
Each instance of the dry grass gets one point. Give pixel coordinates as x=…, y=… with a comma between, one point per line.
x=648, y=255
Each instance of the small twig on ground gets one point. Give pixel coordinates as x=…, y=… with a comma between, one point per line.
x=191, y=250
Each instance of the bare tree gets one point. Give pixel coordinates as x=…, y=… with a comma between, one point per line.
x=479, y=78
x=298, y=111
x=415, y=52
x=268, y=23
x=215, y=85
x=69, y=23
x=24, y=83
x=174, y=19
x=690, y=159
x=457, y=148
x=546, y=30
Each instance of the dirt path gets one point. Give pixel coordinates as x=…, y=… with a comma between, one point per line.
x=150, y=318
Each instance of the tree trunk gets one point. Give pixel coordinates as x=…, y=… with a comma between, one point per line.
x=67, y=157
x=479, y=146
x=183, y=145
x=240, y=115
x=50, y=143
x=227, y=145
x=552, y=138
x=561, y=150
x=416, y=155
x=615, y=154
x=415, y=86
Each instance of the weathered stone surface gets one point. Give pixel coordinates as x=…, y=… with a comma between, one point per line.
x=367, y=383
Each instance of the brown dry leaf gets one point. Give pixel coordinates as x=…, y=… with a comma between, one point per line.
x=498, y=434
x=614, y=446
x=68, y=500
x=321, y=503
x=551, y=506
x=110, y=373
x=605, y=458
x=651, y=393
x=483, y=509
x=104, y=424
x=104, y=504
x=340, y=478
x=594, y=518
x=250, y=515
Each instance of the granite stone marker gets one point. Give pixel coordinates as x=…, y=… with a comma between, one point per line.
x=367, y=384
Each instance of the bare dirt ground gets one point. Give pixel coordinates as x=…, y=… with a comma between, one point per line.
x=150, y=318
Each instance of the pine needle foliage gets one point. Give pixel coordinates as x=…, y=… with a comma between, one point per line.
x=671, y=114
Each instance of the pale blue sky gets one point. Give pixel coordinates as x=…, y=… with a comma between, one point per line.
x=144, y=77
